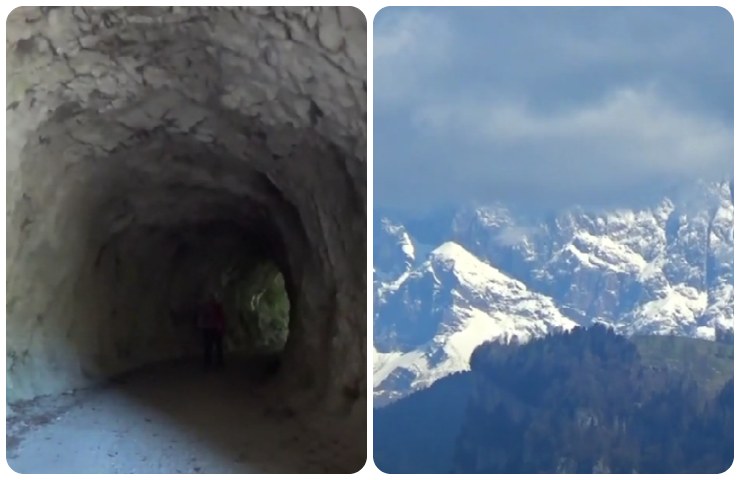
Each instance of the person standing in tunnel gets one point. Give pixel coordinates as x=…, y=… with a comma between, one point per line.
x=212, y=323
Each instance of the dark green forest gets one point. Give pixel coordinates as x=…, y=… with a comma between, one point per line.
x=577, y=402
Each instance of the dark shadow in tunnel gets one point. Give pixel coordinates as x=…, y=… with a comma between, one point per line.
x=248, y=418
x=149, y=226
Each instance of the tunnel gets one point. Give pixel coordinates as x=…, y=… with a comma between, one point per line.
x=157, y=154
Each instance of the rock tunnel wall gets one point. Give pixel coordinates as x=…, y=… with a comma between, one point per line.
x=149, y=147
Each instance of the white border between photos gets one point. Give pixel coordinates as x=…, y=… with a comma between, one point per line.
x=370, y=9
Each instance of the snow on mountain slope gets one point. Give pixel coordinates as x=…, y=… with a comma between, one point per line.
x=673, y=312
x=393, y=250
x=469, y=302
x=641, y=269
x=602, y=252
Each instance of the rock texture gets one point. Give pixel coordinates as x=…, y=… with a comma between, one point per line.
x=151, y=148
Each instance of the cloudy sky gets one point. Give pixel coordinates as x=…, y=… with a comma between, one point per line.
x=547, y=107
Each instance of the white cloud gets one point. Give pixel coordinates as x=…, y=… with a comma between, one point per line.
x=630, y=133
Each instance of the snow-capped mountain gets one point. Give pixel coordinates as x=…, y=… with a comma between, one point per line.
x=429, y=320
x=666, y=269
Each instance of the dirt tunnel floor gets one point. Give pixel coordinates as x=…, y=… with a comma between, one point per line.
x=176, y=418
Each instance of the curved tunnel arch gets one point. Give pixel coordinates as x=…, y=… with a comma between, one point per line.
x=129, y=128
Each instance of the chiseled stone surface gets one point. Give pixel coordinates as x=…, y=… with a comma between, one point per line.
x=134, y=134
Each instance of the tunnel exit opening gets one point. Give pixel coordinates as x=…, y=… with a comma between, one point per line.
x=258, y=308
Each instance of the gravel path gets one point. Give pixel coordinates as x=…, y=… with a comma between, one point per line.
x=175, y=418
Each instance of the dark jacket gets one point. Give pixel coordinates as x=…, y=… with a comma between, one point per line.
x=212, y=316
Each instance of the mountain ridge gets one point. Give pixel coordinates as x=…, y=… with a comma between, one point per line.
x=665, y=269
